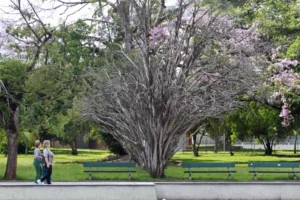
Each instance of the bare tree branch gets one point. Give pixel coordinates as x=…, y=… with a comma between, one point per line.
x=86, y=2
x=18, y=7
x=160, y=13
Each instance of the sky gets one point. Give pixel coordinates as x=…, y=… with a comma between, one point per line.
x=50, y=16
x=54, y=17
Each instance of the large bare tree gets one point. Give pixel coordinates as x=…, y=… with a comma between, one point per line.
x=188, y=64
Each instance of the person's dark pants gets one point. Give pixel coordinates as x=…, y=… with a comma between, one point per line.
x=45, y=173
x=48, y=175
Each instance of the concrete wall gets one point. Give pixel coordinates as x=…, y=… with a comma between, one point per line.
x=288, y=190
x=78, y=191
x=228, y=191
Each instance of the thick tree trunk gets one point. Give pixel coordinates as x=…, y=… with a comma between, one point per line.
x=11, y=166
x=295, y=144
x=154, y=161
x=12, y=135
x=230, y=146
x=195, y=149
x=230, y=142
x=268, y=149
x=216, y=145
x=158, y=171
x=74, y=146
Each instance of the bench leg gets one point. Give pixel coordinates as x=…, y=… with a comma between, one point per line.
x=255, y=177
x=294, y=176
x=129, y=176
x=90, y=176
x=190, y=176
x=229, y=176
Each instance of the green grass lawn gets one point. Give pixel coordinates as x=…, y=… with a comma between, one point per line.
x=69, y=168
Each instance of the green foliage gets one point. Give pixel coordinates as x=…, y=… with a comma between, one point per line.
x=293, y=51
x=13, y=75
x=54, y=87
x=113, y=145
x=278, y=21
x=97, y=134
x=94, y=132
x=224, y=7
x=26, y=140
x=256, y=120
x=216, y=127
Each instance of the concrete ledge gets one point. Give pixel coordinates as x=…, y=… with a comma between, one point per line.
x=78, y=191
x=228, y=191
x=288, y=190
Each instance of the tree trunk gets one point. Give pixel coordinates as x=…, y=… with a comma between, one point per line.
x=12, y=135
x=158, y=171
x=154, y=161
x=74, y=146
x=230, y=142
x=268, y=150
x=195, y=149
x=11, y=165
x=216, y=145
x=295, y=144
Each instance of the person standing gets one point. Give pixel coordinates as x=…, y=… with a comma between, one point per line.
x=48, y=162
x=37, y=161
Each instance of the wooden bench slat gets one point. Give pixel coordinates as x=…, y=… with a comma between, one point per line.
x=274, y=164
x=204, y=164
x=210, y=171
x=103, y=164
x=116, y=171
x=278, y=172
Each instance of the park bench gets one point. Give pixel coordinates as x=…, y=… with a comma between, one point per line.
x=113, y=167
x=273, y=167
x=208, y=165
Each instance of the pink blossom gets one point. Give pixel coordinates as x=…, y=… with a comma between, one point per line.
x=286, y=80
x=286, y=115
x=157, y=34
x=207, y=79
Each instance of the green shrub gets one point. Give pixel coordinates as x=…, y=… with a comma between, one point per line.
x=112, y=144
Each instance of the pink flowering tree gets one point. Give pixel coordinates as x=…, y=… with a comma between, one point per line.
x=285, y=86
x=285, y=80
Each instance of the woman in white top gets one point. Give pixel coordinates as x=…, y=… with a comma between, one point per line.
x=49, y=162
